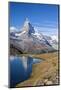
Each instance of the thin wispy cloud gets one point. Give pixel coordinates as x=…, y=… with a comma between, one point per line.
x=49, y=25
x=47, y=30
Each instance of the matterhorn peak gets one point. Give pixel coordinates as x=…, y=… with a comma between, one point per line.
x=26, y=22
x=28, y=26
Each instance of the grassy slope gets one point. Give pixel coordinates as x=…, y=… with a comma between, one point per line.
x=44, y=70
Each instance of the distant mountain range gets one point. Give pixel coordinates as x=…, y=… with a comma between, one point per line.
x=28, y=41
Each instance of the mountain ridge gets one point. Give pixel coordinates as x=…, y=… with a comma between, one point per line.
x=29, y=42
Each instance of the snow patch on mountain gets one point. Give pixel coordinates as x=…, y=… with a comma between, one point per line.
x=54, y=38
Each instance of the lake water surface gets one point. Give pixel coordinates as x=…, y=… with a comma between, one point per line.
x=21, y=68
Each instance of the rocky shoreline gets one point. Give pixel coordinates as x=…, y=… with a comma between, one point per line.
x=52, y=80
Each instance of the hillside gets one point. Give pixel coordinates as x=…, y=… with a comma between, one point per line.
x=44, y=73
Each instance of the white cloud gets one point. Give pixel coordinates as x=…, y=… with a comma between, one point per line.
x=13, y=29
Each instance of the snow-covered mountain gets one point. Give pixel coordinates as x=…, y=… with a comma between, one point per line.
x=53, y=41
x=28, y=41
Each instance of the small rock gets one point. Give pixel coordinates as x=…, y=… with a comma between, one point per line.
x=45, y=80
x=57, y=77
x=49, y=82
x=56, y=81
x=40, y=83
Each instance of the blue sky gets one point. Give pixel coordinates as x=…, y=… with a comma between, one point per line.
x=43, y=17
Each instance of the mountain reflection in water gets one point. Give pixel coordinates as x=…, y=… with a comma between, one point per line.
x=20, y=68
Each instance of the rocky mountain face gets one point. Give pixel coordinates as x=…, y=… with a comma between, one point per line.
x=28, y=41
